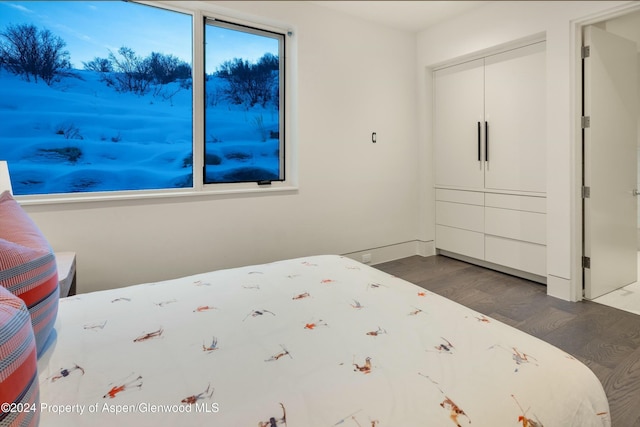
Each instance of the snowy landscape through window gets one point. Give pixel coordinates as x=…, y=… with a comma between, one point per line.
x=97, y=98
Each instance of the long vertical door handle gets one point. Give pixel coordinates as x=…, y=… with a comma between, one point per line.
x=479, y=155
x=486, y=141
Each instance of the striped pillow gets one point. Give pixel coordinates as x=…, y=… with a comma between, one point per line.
x=28, y=267
x=18, y=366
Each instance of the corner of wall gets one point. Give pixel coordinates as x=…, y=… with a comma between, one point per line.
x=393, y=252
x=561, y=288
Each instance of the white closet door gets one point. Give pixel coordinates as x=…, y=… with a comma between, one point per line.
x=459, y=100
x=515, y=100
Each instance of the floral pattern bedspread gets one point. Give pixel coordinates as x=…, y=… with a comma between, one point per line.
x=318, y=341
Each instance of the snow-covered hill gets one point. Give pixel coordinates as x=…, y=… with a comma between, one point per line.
x=80, y=135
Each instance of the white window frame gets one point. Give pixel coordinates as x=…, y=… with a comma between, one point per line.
x=199, y=189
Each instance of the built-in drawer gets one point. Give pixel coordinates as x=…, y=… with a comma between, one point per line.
x=521, y=203
x=463, y=242
x=515, y=224
x=460, y=196
x=467, y=217
x=524, y=256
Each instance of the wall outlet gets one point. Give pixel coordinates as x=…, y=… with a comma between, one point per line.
x=366, y=258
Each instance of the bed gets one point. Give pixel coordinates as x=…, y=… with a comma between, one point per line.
x=314, y=341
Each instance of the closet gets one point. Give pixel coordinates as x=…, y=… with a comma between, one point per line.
x=490, y=156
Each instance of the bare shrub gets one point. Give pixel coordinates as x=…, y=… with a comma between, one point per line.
x=30, y=52
x=69, y=131
x=250, y=84
x=131, y=72
x=70, y=154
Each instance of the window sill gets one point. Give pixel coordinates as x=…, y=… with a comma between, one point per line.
x=48, y=199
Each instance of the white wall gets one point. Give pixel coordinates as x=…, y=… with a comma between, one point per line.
x=354, y=78
x=487, y=28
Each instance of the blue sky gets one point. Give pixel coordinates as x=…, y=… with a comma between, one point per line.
x=93, y=28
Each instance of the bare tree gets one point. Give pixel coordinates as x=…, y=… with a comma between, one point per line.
x=30, y=52
x=167, y=68
x=101, y=65
x=131, y=72
x=250, y=84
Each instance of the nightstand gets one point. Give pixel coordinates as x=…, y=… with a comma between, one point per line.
x=66, y=264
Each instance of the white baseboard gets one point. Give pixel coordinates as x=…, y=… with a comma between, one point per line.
x=561, y=288
x=393, y=252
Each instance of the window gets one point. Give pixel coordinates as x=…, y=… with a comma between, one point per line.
x=243, y=111
x=108, y=102
x=109, y=109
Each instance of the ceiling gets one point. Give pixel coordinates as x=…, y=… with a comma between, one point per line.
x=410, y=16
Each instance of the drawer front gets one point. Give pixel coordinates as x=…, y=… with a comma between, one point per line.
x=463, y=242
x=524, y=256
x=521, y=203
x=467, y=217
x=519, y=225
x=460, y=196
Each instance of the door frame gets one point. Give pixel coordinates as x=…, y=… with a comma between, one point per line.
x=577, y=224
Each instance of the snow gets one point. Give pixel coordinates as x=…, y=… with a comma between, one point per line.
x=79, y=135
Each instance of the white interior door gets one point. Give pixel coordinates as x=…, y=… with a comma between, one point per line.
x=458, y=117
x=610, y=221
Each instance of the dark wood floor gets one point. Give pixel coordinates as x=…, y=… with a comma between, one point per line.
x=603, y=338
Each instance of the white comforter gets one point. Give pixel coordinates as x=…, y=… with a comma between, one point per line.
x=320, y=341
